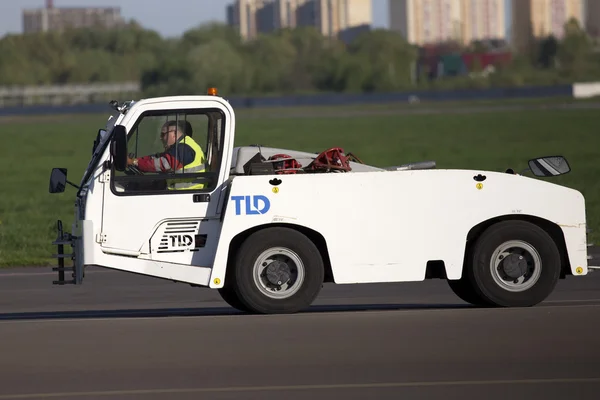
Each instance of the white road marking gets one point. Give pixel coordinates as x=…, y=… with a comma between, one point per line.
x=233, y=389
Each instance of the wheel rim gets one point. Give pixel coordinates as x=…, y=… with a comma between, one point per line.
x=278, y=273
x=516, y=266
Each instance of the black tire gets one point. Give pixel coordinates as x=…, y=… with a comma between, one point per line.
x=229, y=295
x=293, y=242
x=526, y=234
x=466, y=292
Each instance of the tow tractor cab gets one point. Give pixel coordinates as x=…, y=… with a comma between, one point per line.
x=267, y=227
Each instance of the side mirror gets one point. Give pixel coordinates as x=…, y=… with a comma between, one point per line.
x=118, y=148
x=58, y=180
x=549, y=166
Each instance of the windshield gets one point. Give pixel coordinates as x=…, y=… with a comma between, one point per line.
x=103, y=139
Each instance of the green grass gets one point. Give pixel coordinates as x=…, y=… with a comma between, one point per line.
x=30, y=147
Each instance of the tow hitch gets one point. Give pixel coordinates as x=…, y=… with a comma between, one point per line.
x=65, y=239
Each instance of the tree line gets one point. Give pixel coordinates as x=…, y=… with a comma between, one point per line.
x=288, y=61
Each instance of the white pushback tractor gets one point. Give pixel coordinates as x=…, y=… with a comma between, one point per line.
x=270, y=226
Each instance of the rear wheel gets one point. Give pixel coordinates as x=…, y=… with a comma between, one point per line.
x=278, y=270
x=465, y=290
x=514, y=264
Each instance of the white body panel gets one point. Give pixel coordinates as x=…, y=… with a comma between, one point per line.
x=89, y=251
x=386, y=226
x=132, y=223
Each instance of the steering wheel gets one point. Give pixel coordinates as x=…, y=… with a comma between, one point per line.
x=133, y=170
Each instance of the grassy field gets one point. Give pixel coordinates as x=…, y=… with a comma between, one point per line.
x=30, y=147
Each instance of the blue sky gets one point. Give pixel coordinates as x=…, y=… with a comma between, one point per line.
x=169, y=18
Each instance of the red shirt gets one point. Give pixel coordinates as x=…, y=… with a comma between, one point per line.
x=170, y=160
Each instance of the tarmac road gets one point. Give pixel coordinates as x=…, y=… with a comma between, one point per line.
x=125, y=336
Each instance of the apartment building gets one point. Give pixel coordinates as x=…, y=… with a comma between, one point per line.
x=333, y=18
x=292, y=13
x=482, y=20
x=538, y=18
x=336, y=17
x=53, y=18
x=424, y=22
x=243, y=15
x=592, y=18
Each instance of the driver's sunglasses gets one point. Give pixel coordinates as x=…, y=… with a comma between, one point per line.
x=163, y=134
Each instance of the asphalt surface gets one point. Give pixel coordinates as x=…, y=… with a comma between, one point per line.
x=126, y=336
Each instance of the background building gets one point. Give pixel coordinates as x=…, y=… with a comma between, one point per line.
x=538, y=18
x=482, y=20
x=58, y=19
x=292, y=13
x=592, y=14
x=343, y=18
x=243, y=15
x=333, y=18
x=424, y=22
x=550, y=16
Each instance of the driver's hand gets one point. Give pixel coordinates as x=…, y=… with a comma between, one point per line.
x=129, y=161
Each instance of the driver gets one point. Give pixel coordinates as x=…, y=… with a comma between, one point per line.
x=182, y=155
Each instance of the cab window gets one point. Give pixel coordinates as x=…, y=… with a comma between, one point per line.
x=172, y=152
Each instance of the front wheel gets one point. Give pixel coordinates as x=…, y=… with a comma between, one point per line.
x=514, y=264
x=278, y=270
x=229, y=295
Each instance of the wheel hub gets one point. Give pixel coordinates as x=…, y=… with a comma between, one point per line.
x=278, y=273
x=515, y=266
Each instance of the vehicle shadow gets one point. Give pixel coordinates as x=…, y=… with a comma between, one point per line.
x=214, y=311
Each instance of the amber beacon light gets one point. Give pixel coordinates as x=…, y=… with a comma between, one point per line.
x=212, y=91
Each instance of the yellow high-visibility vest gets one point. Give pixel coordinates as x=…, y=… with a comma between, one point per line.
x=196, y=166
